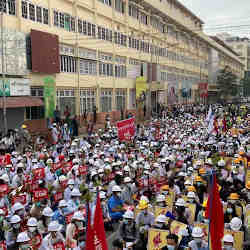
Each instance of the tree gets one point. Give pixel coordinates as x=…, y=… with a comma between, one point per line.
x=227, y=83
x=245, y=85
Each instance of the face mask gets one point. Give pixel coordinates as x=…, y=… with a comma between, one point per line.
x=159, y=225
x=198, y=240
x=32, y=229
x=164, y=192
x=101, y=175
x=228, y=247
x=125, y=222
x=79, y=225
x=191, y=200
x=25, y=247
x=199, y=184
x=170, y=247
x=16, y=226
x=71, y=187
x=233, y=201
x=161, y=204
x=229, y=210
x=118, y=195
x=206, y=221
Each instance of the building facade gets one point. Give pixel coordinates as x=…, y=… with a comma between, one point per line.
x=95, y=49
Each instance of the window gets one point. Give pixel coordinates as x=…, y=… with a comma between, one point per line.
x=12, y=7
x=87, y=67
x=89, y=29
x=68, y=64
x=72, y=24
x=35, y=113
x=106, y=100
x=61, y=16
x=38, y=92
x=119, y=6
x=32, y=12
x=144, y=18
x=66, y=22
x=93, y=30
x=56, y=18
x=87, y=100
x=39, y=14
x=84, y=27
x=3, y=5
x=79, y=26
x=106, y=69
x=66, y=100
x=120, y=99
x=45, y=16
x=99, y=32
x=24, y=9
x=133, y=11
x=108, y=2
x=120, y=71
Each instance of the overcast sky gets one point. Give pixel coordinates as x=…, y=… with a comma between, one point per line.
x=224, y=13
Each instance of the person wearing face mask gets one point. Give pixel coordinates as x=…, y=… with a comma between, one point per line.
x=144, y=218
x=74, y=202
x=200, y=188
x=198, y=243
x=68, y=190
x=18, y=209
x=45, y=220
x=180, y=212
x=115, y=204
x=23, y=241
x=12, y=233
x=127, y=191
x=54, y=239
x=75, y=234
x=228, y=242
x=34, y=235
x=18, y=179
x=105, y=213
x=60, y=214
x=230, y=213
x=172, y=242
x=128, y=236
x=161, y=201
x=160, y=222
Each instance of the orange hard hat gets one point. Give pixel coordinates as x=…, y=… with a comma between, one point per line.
x=233, y=196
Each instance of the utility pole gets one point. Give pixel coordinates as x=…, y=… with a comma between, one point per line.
x=3, y=73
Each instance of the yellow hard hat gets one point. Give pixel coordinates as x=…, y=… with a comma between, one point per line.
x=202, y=171
x=233, y=196
x=165, y=187
x=204, y=204
x=143, y=205
x=24, y=126
x=248, y=185
x=237, y=161
x=191, y=189
x=198, y=179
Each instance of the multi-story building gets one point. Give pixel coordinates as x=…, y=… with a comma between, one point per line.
x=95, y=49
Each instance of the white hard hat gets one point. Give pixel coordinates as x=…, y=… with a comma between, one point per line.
x=161, y=218
x=78, y=216
x=17, y=206
x=54, y=226
x=2, y=212
x=75, y=192
x=191, y=195
x=62, y=203
x=75, y=161
x=116, y=188
x=100, y=171
x=221, y=163
x=47, y=211
x=62, y=178
x=128, y=215
x=197, y=232
x=180, y=202
x=71, y=182
x=236, y=224
x=19, y=158
x=34, y=160
x=93, y=173
x=127, y=179
x=49, y=161
x=5, y=178
x=32, y=222
x=20, y=165
x=228, y=238
x=147, y=167
x=160, y=198
x=15, y=219
x=187, y=182
x=22, y=237
x=126, y=168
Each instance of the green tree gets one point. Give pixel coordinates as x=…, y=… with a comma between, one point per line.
x=245, y=85
x=227, y=83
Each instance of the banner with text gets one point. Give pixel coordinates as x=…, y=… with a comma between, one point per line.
x=126, y=129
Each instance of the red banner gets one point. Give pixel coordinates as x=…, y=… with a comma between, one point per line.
x=58, y=196
x=19, y=198
x=41, y=193
x=57, y=166
x=67, y=167
x=82, y=170
x=126, y=129
x=38, y=173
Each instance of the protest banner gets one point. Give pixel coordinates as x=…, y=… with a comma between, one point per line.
x=126, y=129
x=176, y=227
x=157, y=238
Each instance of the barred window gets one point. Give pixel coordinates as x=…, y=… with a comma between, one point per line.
x=120, y=99
x=45, y=16
x=106, y=69
x=68, y=64
x=32, y=13
x=24, y=9
x=106, y=100
x=39, y=14
x=56, y=18
x=88, y=67
x=79, y=25
x=12, y=7
x=87, y=100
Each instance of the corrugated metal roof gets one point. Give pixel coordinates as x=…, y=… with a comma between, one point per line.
x=22, y=101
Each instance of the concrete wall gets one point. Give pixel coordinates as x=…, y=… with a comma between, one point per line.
x=15, y=117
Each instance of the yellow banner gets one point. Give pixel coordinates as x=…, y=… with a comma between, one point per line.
x=157, y=239
x=192, y=208
x=161, y=210
x=141, y=88
x=176, y=227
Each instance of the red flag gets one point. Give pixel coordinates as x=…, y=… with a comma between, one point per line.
x=214, y=212
x=98, y=227
x=90, y=233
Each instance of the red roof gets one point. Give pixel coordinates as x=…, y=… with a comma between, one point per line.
x=22, y=101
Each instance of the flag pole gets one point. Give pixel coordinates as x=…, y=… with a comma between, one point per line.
x=210, y=204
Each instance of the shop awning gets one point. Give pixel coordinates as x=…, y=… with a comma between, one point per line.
x=22, y=101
